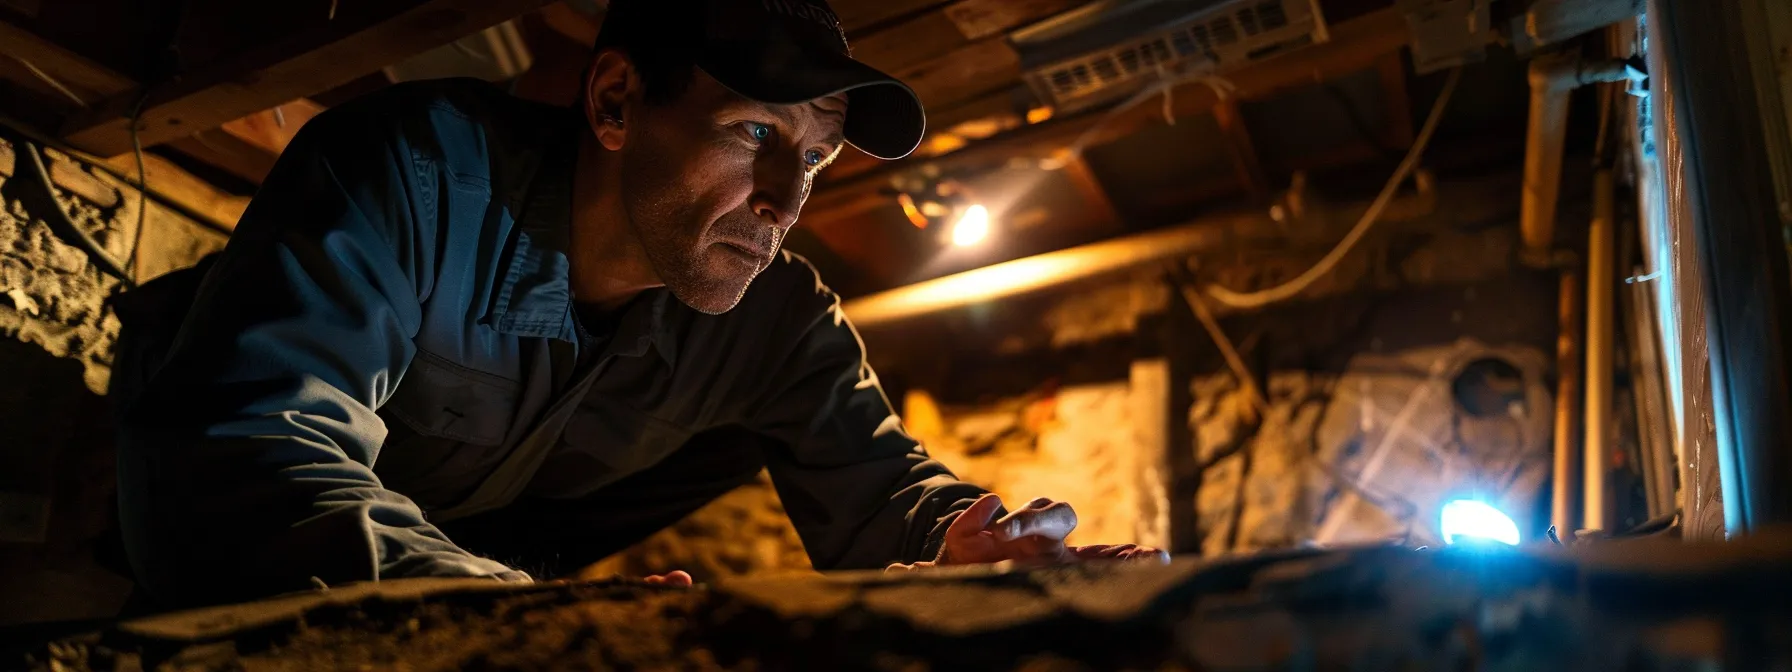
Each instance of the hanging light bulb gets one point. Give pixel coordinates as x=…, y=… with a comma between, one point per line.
x=972, y=226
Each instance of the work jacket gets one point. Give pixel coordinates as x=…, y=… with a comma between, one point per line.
x=389, y=341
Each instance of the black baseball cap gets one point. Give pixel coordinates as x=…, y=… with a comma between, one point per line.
x=782, y=52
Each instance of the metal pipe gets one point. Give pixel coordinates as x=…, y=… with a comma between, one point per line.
x=1553, y=77
x=1045, y=270
x=1565, y=495
x=1020, y=276
x=1600, y=278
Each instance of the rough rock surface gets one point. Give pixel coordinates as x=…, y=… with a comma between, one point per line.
x=57, y=331
x=1649, y=604
x=1075, y=444
x=743, y=532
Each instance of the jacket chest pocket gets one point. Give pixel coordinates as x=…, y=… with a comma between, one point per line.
x=443, y=399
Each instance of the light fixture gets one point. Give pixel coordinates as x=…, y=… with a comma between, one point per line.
x=972, y=226
x=1471, y=520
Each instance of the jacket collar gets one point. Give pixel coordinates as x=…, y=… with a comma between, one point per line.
x=534, y=296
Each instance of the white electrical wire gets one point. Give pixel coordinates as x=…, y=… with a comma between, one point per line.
x=1223, y=89
x=1293, y=287
x=52, y=81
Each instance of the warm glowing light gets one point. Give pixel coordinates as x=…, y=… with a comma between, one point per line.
x=972, y=226
x=1467, y=518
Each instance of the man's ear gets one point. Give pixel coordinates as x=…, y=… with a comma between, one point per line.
x=609, y=83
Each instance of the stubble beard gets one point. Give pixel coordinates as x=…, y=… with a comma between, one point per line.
x=666, y=224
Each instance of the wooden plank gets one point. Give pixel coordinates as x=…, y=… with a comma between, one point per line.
x=572, y=23
x=66, y=175
x=1243, y=150
x=1088, y=186
x=247, y=147
x=180, y=188
x=167, y=182
x=936, y=35
x=859, y=15
x=976, y=70
x=87, y=80
x=1391, y=70
x=362, y=38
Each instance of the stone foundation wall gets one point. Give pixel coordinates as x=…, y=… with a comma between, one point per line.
x=56, y=337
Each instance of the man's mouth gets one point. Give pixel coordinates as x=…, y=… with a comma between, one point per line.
x=756, y=252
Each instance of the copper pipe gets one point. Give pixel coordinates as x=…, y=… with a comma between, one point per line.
x=1600, y=279
x=1565, y=496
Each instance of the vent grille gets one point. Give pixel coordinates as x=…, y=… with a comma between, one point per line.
x=1234, y=34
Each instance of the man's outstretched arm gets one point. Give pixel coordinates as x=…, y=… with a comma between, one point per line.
x=245, y=467
x=860, y=491
x=864, y=494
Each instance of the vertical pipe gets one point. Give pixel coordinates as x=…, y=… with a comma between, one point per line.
x=1565, y=497
x=1545, y=134
x=1596, y=448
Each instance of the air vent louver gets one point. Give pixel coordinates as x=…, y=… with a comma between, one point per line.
x=1111, y=49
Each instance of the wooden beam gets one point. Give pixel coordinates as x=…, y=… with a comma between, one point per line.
x=171, y=184
x=1088, y=186
x=167, y=183
x=978, y=69
x=571, y=23
x=362, y=37
x=1355, y=45
x=65, y=175
x=1391, y=70
x=1243, y=150
x=247, y=147
x=935, y=35
x=85, y=79
x=859, y=15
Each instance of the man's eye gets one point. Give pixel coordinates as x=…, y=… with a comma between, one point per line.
x=813, y=157
x=758, y=132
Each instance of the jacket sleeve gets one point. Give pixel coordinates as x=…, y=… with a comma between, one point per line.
x=861, y=492
x=246, y=464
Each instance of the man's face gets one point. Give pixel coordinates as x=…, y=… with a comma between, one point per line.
x=713, y=181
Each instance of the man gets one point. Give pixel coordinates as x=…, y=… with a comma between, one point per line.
x=457, y=334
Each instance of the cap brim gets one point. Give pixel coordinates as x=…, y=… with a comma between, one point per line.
x=883, y=116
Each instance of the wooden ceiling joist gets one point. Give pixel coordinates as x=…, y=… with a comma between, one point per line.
x=281, y=58
x=247, y=147
x=1356, y=45
x=57, y=71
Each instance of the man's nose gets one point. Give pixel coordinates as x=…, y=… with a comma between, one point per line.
x=779, y=191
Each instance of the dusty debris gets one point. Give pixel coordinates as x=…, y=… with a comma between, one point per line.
x=1643, y=604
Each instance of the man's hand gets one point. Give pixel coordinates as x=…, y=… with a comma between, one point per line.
x=1030, y=535
x=673, y=578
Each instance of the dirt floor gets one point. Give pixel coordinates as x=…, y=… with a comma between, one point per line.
x=1633, y=605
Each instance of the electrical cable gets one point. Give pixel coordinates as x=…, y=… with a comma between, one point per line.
x=1223, y=89
x=142, y=180
x=52, y=81
x=31, y=166
x=1258, y=299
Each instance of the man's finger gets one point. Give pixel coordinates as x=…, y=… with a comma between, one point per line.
x=1099, y=551
x=974, y=519
x=674, y=578
x=1150, y=555
x=1052, y=521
